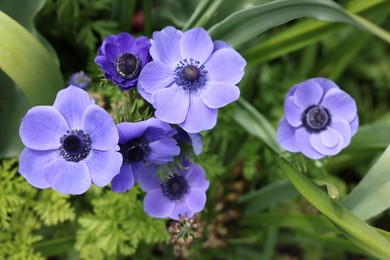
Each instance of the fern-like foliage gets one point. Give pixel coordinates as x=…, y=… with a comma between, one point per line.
x=117, y=226
x=24, y=210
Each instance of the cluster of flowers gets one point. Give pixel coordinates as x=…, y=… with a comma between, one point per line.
x=186, y=77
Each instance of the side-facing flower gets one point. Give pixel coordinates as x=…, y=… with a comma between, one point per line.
x=190, y=77
x=122, y=58
x=182, y=193
x=149, y=141
x=69, y=145
x=194, y=140
x=320, y=119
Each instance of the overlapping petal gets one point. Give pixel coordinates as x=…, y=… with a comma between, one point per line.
x=103, y=166
x=157, y=205
x=196, y=44
x=199, y=116
x=166, y=46
x=286, y=136
x=31, y=163
x=308, y=94
x=42, y=128
x=100, y=127
x=341, y=106
x=68, y=177
x=217, y=94
x=154, y=76
x=171, y=104
x=72, y=102
x=225, y=65
x=123, y=181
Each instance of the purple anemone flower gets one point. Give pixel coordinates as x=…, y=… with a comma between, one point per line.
x=69, y=145
x=183, y=192
x=149, y=141
x=190, y=77
x=320, y=119
x=122, y=58
x=80, y=79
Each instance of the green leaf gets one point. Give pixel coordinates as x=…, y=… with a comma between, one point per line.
x=306, y=32
x=267, y=196
x=371, y=196
x=359, y=232
x=256, y=124
x=246, y=24
x=31, y=67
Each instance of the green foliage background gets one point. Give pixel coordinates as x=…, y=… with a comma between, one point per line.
x=262, y=203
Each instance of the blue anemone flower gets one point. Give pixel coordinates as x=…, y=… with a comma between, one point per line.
x=320, y=119
x=122, y=58
x=69, y=145
x=190, y=77
x=149, y=141
x=182, y=193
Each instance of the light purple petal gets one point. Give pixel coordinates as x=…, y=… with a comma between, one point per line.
x=68, y=177
x=340, y=105
x=325, y=83
x=103, y=166
x=171, y=104
x=182, y=210
x=144, y=94
x=196, y=44
x=293, y=112
x=354, y=125
x=329, y=142
x=344, y=129
x=308, y=94
x=302, y=140
x=157, y=205
x=32, y=162
x=199, y=117
x=100, y=127
x=216, y=95
x=72, y=102
x=123, y=181
x=154, y=76
x=129, y=131
x=195, y=199
x=225, y=65
x=197, y=143
x=42, y=127
x=196, y=177
x=166, y=46
x=218, y=44
x=162, y=151
x=148, y=178
x=286, y=136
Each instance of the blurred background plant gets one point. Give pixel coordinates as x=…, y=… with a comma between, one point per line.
x=261, y=204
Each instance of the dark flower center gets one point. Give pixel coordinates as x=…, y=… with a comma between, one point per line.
x=134, y=150
x=128, y=66
x=175, y=187
x=75, y=145
x=190, y=75
x=316, y=119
